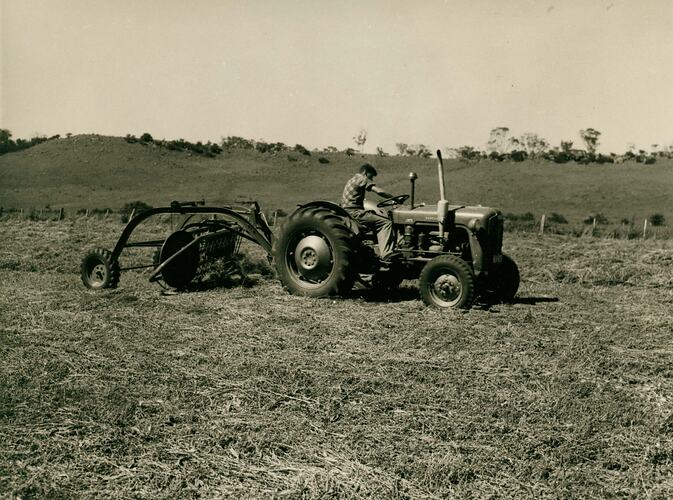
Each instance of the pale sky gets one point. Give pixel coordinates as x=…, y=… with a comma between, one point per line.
x=315, y=72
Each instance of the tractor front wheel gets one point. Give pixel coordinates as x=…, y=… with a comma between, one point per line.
x=447, y=282
x=98, y=270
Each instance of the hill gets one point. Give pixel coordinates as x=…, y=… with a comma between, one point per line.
x=92, y=171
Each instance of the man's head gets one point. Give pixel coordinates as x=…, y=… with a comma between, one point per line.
x=368, y=171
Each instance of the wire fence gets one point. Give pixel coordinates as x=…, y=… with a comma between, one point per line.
x=527, y=223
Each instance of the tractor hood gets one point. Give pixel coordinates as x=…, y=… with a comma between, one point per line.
x=428, y=214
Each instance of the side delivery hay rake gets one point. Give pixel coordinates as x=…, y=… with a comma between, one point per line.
x=205, y=235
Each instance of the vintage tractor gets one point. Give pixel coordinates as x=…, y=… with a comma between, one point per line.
x=454, y=251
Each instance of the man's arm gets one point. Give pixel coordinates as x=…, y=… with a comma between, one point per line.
x=381, y=192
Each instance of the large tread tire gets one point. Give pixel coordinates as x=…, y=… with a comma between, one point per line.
x=98, y=270
x=314, y=253
x=447, y=282
x=503, y=283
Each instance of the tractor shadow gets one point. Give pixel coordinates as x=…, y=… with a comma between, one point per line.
x=401, y=294
x=409, y=293
x=530, y=301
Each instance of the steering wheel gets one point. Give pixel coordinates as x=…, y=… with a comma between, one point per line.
x=395, y=200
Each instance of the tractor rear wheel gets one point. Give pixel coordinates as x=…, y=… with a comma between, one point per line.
x=314, y=253
x=98, y=270
x=503, y=282
x=447, y=282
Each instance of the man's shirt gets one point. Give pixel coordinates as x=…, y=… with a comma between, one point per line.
x=354, y=193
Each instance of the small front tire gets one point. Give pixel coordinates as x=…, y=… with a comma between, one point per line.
x=99, y=271
x=447, y=282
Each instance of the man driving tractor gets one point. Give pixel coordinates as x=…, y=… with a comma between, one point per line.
x=352, y=201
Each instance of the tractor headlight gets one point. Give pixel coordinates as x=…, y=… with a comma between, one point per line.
x=475, y=225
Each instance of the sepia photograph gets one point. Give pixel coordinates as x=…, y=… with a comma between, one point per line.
x=312, y=249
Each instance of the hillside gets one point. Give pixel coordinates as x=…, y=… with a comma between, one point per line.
x=91, y=171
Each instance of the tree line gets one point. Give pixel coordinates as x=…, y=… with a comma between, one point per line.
x=501, y=146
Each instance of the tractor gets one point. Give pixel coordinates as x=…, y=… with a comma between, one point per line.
x=455, y=252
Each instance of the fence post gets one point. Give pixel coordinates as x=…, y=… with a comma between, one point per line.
x=107, y=212
x=61, y=214
x=275, y=217
x=86, y=214
x=542, y=224
x=645, y=229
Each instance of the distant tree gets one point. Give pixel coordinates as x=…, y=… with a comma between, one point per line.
x=451, y=153
x=330, y=149
x=518, y=155
x=467, y=153
x=146, y=137
x=590, y=137
x=6, y=142
x=499, y=141
x=360, y=139
x=401, y=148
x=533, y=144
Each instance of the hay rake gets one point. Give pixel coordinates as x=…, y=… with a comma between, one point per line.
x=207, y=234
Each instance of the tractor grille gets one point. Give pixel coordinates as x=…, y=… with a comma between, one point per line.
x=492, y=245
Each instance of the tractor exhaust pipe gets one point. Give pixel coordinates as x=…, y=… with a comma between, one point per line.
x=442, y=204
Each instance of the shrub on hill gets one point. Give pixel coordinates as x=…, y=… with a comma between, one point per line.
x=270, y=147
x=599, y=218
x=235, y=142
x=557, y=218
x=7, y=145
x=657, y=219
x=301, y=149
x=133, y=207
x=528, y=216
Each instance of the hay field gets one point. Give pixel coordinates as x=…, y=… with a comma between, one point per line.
x=247, y=391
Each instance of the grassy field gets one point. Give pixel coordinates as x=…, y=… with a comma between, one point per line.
x=247, y=391
x=91, y=171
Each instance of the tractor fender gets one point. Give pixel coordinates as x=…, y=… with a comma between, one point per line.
x=333, y=207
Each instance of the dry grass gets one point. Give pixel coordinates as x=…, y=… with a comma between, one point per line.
x=251, y=392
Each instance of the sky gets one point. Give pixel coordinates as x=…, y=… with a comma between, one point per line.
x=316, y=72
